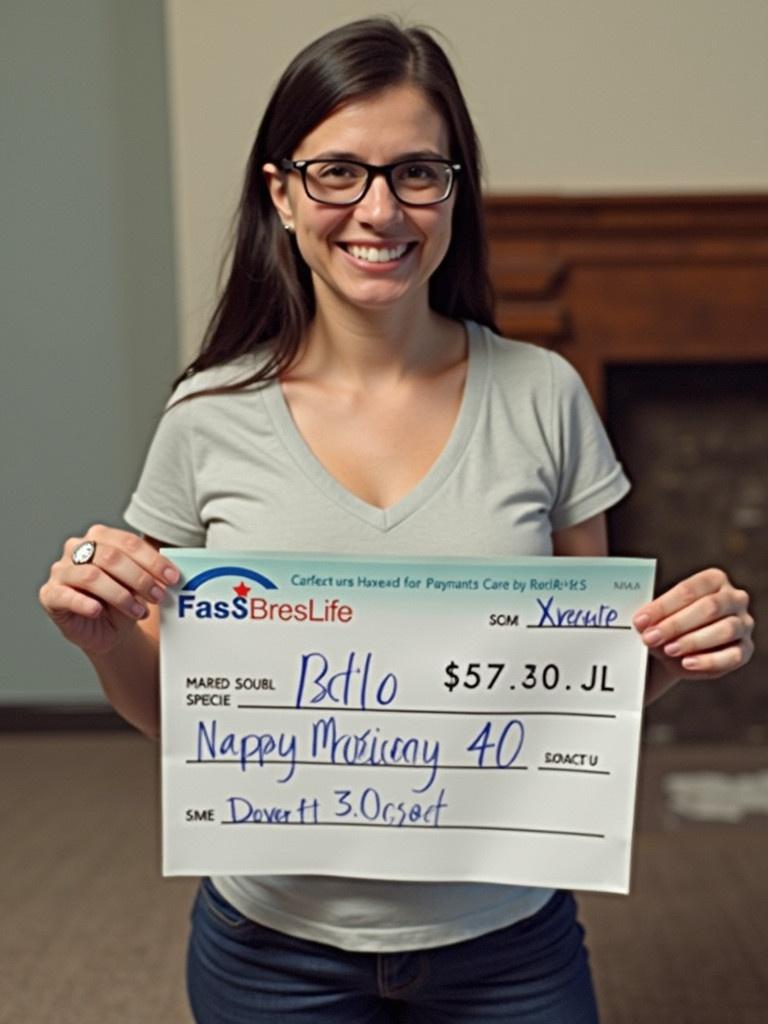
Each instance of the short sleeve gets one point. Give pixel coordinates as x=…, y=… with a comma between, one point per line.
x=590, y=478
x=164, y=504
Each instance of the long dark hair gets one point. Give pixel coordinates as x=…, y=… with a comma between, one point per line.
x=268, y=300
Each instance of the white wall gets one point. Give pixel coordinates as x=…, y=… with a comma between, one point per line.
x=568, y=96
x=87, y=313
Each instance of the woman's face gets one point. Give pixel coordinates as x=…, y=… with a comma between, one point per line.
x=336, y=241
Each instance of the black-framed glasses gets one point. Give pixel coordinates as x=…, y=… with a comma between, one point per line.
x=344, y=182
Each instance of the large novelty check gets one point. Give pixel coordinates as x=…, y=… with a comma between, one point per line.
x=448, y=719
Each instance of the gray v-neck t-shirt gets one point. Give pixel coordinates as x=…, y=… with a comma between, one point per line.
x=527, y=455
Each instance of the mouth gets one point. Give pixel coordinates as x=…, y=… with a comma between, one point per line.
x=378, y=253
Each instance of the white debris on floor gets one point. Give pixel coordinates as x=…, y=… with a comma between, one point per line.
x=716, y=796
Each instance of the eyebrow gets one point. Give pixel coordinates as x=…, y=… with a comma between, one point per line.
x=421, y=154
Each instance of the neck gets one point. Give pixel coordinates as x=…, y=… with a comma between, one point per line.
x=367, y=347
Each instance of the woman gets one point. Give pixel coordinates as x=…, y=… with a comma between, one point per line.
x=352, y=396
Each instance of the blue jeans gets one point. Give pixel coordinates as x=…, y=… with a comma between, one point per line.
x=535, y=971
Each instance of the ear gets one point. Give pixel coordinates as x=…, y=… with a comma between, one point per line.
x=277, y=184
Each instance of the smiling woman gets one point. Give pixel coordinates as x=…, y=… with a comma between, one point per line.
x=363, y=243
x=364, y=94
x=387, y=418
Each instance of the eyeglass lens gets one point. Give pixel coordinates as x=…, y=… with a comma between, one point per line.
x=416, y=181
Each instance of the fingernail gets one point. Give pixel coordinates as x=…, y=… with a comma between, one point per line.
x=139, y=610
x=673, y=650
x=652, y=636
x=171, y=575
x=642, y=620
x=691, y=663
x=157, y=594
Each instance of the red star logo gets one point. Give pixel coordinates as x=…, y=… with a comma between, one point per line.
x=242, y=590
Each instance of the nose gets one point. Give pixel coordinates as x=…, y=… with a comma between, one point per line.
x=379, y=206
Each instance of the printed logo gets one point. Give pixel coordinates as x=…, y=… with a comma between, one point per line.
x=243, y=606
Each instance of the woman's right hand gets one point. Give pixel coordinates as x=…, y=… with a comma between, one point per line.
x=96, y=604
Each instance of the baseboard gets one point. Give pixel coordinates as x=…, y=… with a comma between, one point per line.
x=59, y=718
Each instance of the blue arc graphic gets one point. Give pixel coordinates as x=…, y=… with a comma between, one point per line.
x=229, y=570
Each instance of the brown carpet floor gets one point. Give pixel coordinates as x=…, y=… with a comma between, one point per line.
x=91, y=934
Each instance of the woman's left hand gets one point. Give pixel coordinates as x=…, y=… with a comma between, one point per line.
x=699, y=629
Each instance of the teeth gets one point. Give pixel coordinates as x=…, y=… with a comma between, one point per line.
x=376, y=255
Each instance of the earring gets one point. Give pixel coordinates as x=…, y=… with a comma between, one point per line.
x=289, y=228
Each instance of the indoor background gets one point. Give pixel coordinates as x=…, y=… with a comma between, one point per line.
x=125, y=131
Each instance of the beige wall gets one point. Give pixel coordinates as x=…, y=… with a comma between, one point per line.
x=568, y=96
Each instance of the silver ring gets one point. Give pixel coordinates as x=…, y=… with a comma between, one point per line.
x=84, y=552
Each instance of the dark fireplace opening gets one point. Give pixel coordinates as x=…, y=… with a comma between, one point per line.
x=694, y=441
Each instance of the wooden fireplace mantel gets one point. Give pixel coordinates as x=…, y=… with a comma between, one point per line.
x=632, y=279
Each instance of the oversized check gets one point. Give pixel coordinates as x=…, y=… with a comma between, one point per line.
x=448, y=719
